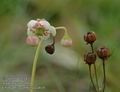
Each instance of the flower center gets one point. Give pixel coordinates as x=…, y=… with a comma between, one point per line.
x=39, y=31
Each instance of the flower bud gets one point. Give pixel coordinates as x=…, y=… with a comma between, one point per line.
x=90, y=58
x=103, y=53
x=50, y=49
x=32, y=40
x=66, y=40
x=90, y=37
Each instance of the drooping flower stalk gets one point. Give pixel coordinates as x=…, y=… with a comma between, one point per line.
x=66, y=39
x=50, y=48
x=32, y=84
x=64, y=28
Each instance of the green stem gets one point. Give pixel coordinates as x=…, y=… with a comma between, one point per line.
x=32, y=84
x=92, y=78
x=96, y=78
x=104, y=80
x=92, y=47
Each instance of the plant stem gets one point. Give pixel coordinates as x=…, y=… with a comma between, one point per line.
x=92, y=78
x=104, y=80
x=92, y=47
x=32, y=84
x=96, y=77
x=95, y=68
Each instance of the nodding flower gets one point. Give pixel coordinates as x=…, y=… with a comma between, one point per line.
x=66, y=40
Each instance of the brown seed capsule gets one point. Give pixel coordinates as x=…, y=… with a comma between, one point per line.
x=103, y=53
x=90, y=37
x=90, y=58
x=50, y=49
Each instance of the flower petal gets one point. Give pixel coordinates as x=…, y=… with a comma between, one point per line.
x=29, y=33
x=45, y=24
x=31, y=24
x=52, y=31
x=32, y=40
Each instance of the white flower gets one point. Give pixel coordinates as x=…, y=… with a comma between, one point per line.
x=52, y=31
x=40, y=28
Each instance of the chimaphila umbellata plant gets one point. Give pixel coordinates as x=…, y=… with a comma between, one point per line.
x=90, y=58
x=38, y=31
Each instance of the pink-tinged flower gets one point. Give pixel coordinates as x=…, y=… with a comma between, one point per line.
x=66, y=42
x=32, y=40
x=40, y=28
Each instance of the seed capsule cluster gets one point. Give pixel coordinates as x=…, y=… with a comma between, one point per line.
x=90, y=58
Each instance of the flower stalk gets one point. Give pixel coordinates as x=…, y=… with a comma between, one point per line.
x=66, y=39
x=103, y=53
x=38, y=31
x=32, y=84
x=92, y=79
x=96, y=78
x=64, y=28
x=104, y=78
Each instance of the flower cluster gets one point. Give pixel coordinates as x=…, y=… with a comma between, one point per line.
x=90, y=58
x=40, y=29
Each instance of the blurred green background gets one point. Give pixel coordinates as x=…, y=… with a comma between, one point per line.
x=65, y=71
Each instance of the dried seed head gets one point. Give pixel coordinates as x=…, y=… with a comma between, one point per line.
x=50, y=49
x=90, y=58
x=103, y=53
x=90, y=37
